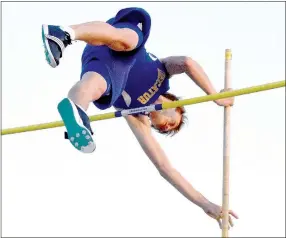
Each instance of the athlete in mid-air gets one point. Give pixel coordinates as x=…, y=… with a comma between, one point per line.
x=118, y=71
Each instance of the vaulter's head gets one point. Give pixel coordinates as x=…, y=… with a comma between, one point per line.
x=168, y=121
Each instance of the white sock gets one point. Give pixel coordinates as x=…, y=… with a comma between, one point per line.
x=69, y=30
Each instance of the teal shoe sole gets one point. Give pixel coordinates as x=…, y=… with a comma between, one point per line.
x=79, y=136
x=49, y=56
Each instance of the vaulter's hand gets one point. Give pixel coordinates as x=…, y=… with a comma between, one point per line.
x=215, y=212
x=225, y=102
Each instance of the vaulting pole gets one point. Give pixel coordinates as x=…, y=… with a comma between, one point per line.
x=226, y=147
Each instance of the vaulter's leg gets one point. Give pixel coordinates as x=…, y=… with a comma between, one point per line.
x=94, y=84
x=57, y=38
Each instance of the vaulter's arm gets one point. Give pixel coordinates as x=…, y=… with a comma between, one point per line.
x=182, y=64
x=140, y=127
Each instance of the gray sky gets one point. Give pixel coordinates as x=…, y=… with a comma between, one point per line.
x=50, y=189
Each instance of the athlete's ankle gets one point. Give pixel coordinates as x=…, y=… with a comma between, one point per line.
x=70, y=31
x=79, y=103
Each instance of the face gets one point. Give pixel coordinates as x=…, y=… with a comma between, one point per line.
x=165, y=120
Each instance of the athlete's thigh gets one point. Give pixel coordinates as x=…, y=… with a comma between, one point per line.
x=95, y=74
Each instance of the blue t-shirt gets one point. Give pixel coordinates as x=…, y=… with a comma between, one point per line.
x=147, y=80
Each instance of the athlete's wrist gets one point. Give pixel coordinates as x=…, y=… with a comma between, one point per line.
x=201, y=201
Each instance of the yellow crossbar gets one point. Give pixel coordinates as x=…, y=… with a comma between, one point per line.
x=167, y=105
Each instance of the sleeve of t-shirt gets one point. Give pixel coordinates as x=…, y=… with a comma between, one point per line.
x=134, y=28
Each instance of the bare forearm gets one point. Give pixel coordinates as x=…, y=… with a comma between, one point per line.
x=198, y=75
x=183, y=186
x=160, y=160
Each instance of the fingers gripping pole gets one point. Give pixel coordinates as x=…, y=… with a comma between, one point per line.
x=226, y=148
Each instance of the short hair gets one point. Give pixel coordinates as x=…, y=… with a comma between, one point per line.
x=181, y=110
